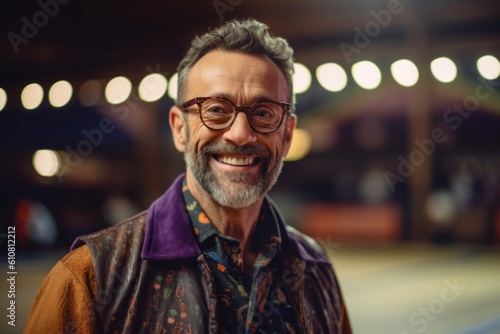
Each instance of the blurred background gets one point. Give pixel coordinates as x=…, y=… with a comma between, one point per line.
x=395, y=165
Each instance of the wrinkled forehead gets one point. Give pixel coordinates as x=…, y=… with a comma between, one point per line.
x=237, y=75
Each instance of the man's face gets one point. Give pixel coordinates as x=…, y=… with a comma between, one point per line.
x=236, y=166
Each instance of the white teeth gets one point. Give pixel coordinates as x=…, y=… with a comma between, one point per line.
x=236, y=161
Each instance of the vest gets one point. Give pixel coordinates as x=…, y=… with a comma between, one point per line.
x=138, y=293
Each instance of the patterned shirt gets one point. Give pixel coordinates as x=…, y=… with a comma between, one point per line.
x=244, y=305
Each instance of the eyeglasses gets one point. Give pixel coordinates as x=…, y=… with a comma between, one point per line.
x=219, y=113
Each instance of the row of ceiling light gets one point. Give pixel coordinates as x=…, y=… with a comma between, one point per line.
x=330, y=76
x=153, y=87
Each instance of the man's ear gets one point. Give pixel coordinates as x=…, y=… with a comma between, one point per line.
x=176, y=120
x=290, y=123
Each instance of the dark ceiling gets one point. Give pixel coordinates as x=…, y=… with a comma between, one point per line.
x=80, y=40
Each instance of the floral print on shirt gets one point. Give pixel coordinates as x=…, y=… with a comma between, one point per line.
x=245, y=304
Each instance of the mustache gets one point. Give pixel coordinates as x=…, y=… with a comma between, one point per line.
x=230, y=148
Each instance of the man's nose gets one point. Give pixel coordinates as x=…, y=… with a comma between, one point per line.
x=240, y=132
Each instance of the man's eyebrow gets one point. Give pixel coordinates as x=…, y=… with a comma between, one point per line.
x=262, y=97
x=224, y=95
x=253, y=100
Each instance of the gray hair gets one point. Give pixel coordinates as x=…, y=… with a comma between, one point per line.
x=248, y=36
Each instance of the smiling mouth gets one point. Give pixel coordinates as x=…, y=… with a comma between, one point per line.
x=237, y=161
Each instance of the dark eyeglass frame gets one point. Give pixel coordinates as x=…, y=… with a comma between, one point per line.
x=286, y=108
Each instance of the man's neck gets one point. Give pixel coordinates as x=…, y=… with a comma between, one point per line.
x=237, y=223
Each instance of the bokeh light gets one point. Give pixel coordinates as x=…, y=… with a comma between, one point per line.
x=440, y=207
x=46, y=162
x=3, y=99
x=152, y=87
x=301, y=78
x=301, y=145
x=172, y=87
x=331, y=77
x=60, y=93
x=444, y=69
x=89, y=93
x=32, y=96
x=118, y=90
x=366, y=74
x=489, y=67
x=405, y=72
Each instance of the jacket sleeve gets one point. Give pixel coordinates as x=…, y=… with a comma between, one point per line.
x=64, y=301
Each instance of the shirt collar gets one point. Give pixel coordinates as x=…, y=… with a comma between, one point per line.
x=169, y=234
x=203, y=229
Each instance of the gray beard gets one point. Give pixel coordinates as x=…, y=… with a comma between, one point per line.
x=236, y=190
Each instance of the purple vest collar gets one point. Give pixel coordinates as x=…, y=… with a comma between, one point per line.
x=169, y=234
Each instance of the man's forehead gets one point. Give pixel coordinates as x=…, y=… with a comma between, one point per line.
x=235, y=61
x=223, y=68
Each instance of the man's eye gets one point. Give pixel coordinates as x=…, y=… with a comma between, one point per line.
x=263, y=113
x=215, y=108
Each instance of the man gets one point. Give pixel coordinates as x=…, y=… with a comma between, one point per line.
x=213, y=254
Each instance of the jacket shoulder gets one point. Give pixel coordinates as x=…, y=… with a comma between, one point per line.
x=128, y=231
x=116, y=250
x=308, y=246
